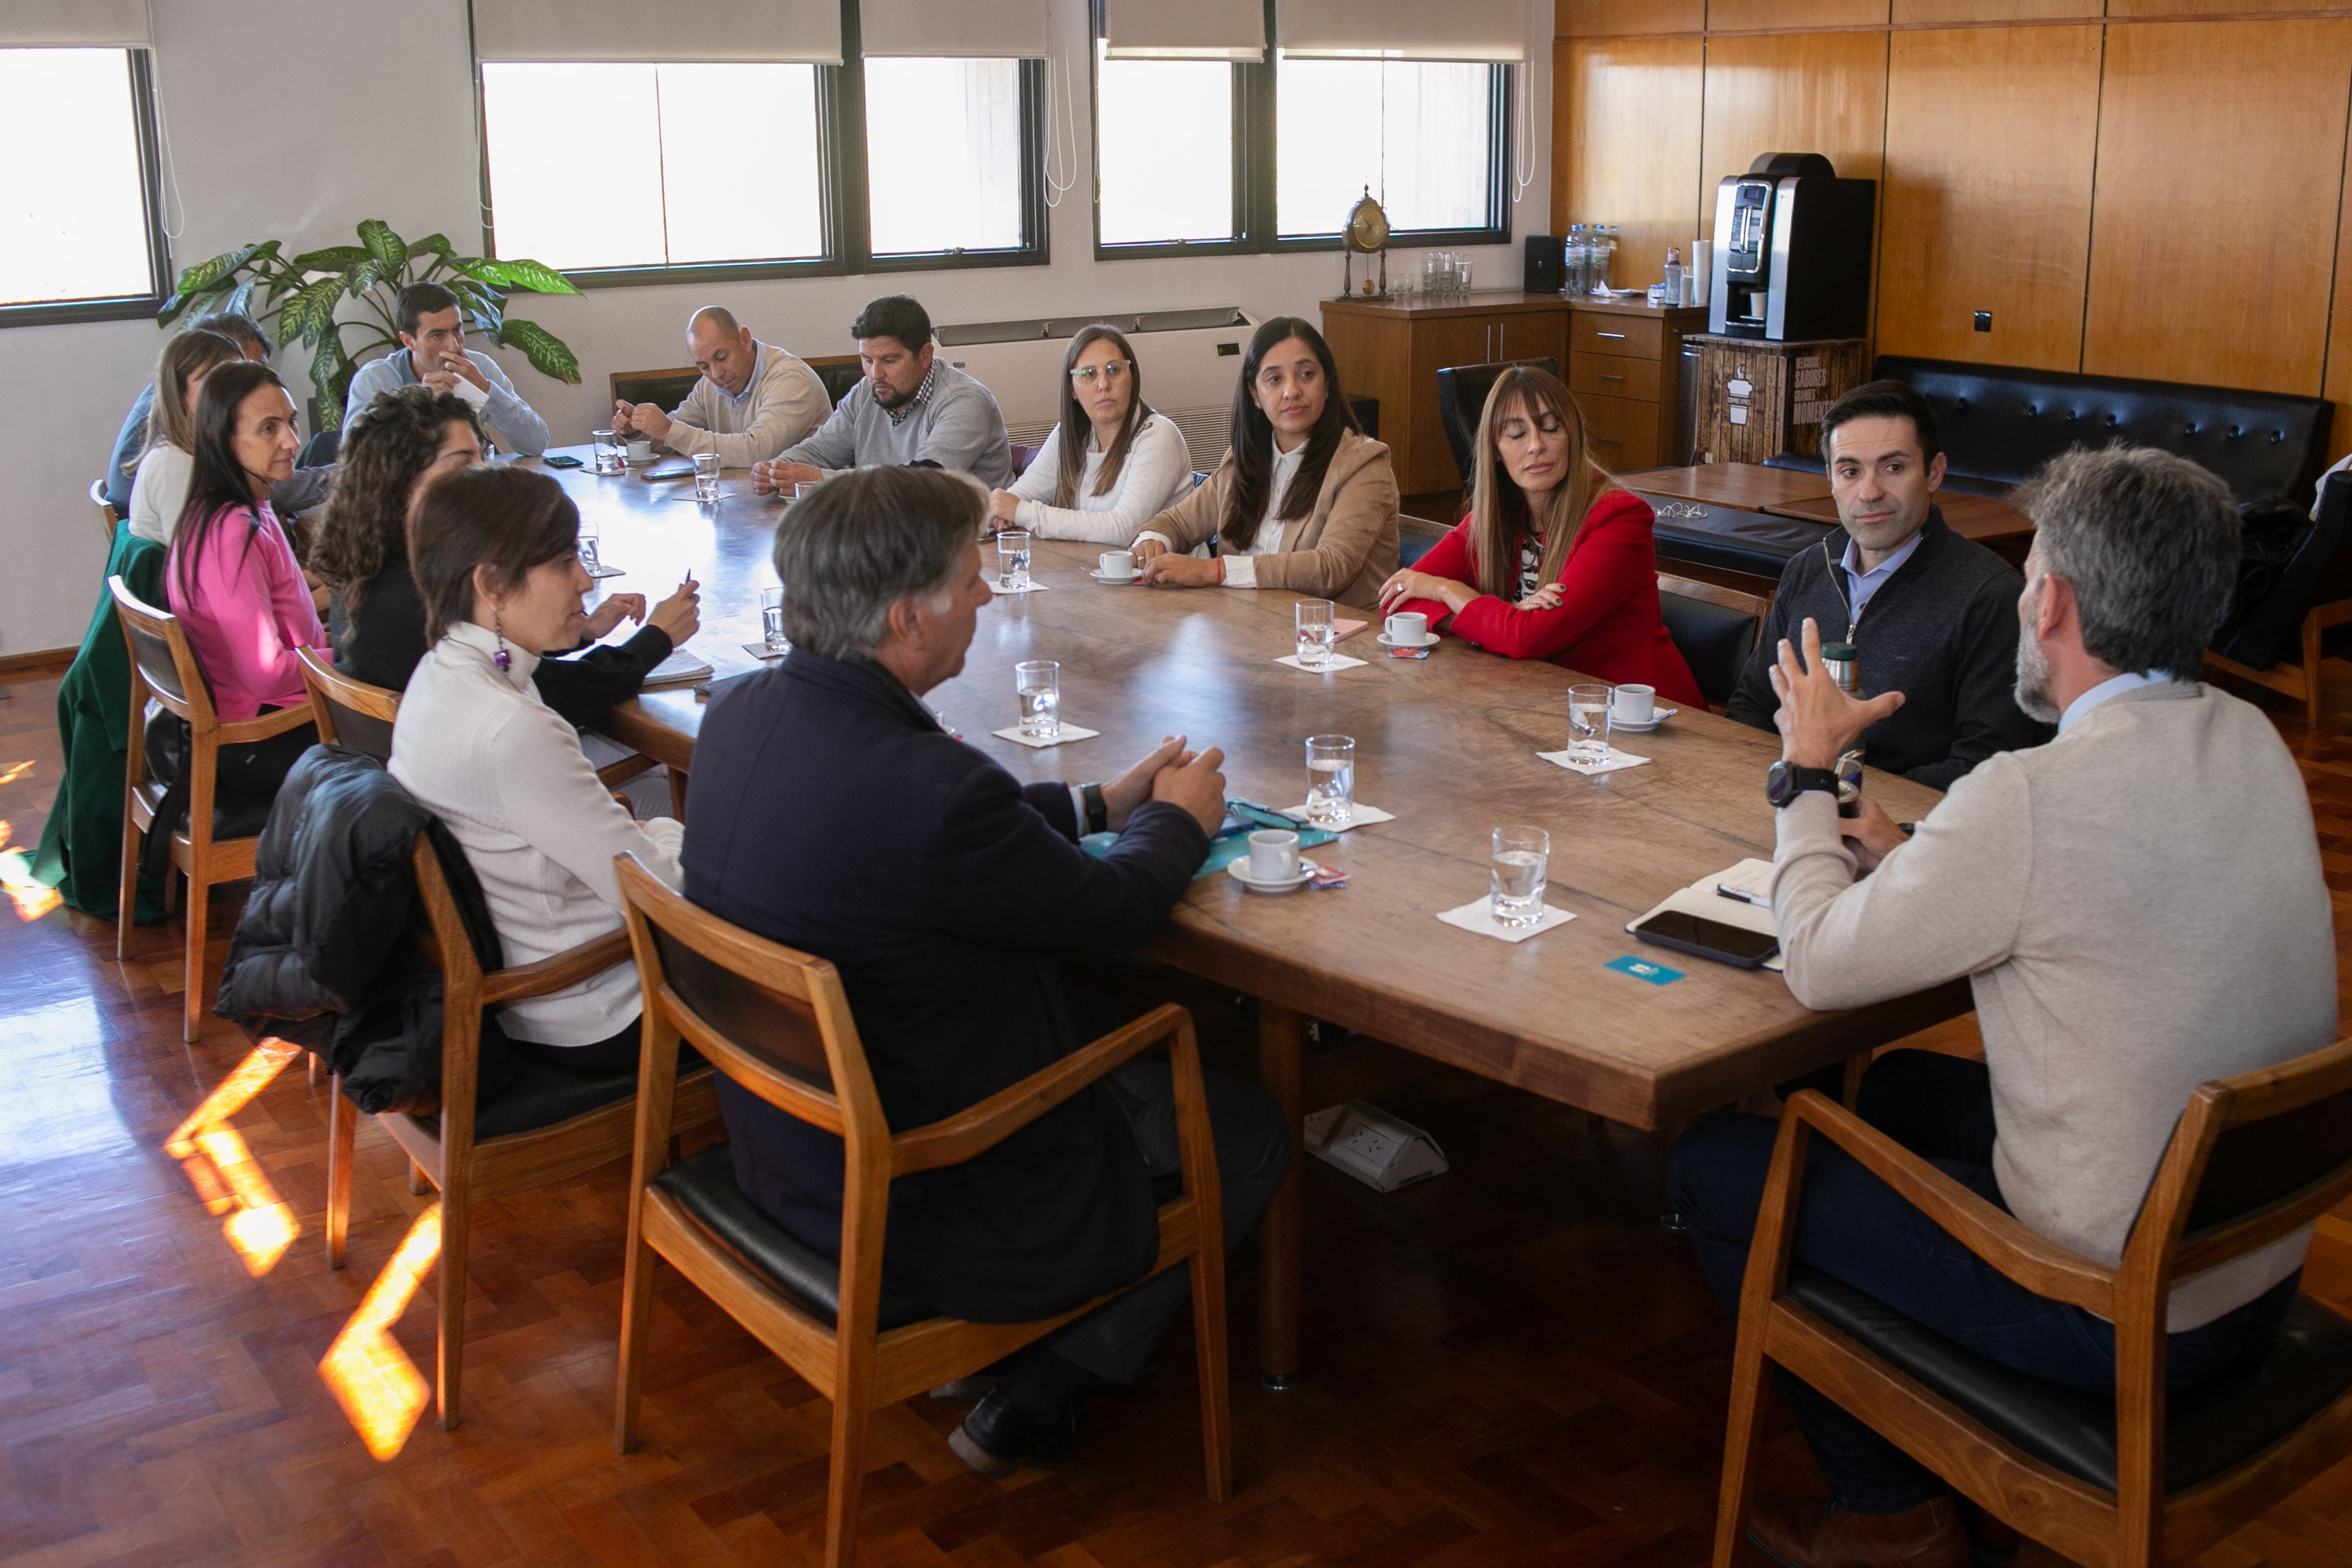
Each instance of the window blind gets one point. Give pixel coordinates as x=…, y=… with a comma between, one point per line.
x=1194, y=30
x=73, y=25
x=1406, y=29
x=960, y=29
x=797, y=32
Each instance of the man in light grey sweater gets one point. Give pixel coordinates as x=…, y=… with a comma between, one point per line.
x=909, y=410
x=753, y=400
x=2140, y=908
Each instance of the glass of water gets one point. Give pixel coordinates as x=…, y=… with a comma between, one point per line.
x=607, y=449
x=1331, y=780
x=1012, y=561
x=705, y=476
x=1313, y=617
x=1521, y=859
x=771, y=619
x=1038, y=683
x=588, y=536
x=1588, y=724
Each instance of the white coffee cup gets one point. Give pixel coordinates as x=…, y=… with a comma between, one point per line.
x=1408, y=628
x=641, y=452
x=1273, y=855
x=1634, y=704
x=1116, y=562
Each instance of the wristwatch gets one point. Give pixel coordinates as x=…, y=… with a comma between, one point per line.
x=1786, y=782
x=1098, y=809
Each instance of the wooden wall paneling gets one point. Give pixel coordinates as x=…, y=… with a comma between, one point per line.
x=1737, y=16
x=2336, y=384
x=2214, y=7
x=1632, y=147
x=1927, y=12
x=1564, y=108
x=1991, y=140
x=2212, y=243
x=1793, y=92
x=1601, y=18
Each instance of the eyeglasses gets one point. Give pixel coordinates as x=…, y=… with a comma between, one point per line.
x=1110, y=373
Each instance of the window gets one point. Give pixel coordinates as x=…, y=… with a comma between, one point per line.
x=78, y=230
x=1156, y=188
x=1419, y=135
x=944, y=165
x=631, y=166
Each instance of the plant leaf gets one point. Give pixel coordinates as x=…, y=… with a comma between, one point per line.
x=310, y=315
x=206, y=276
x=330, y=378
x=383, y=245
x=362, y=276
x=435, y=243
x=547, y=353
x=240, y=299
x=334, y=258
x=534, y=277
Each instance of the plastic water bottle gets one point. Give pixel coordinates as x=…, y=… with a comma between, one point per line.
x=1604, y=259
x=1573, y=256
x=1673, y=274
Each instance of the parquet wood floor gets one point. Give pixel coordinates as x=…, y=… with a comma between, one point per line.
x=1510, y=1364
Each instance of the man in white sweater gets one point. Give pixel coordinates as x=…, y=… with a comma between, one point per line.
x=2140, y=908
x=753, y=400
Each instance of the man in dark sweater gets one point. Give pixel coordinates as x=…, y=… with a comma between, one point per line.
x=1929, y=614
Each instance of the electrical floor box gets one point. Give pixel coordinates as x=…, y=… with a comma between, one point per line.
x=1372, y=1146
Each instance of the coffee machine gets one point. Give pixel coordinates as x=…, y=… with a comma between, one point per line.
x=1791, y=251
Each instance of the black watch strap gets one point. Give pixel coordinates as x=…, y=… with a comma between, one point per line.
x=1098, y=809
x=1786, y=782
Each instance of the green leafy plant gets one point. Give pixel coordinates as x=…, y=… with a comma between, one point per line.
x=304, y=292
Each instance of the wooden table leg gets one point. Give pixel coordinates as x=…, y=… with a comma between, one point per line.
x=1279, y=1043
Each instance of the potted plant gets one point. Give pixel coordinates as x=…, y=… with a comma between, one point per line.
x=303, y=292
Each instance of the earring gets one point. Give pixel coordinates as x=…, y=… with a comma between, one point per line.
x=498, y=630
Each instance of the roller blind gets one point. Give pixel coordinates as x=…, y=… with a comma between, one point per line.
x=792, y=31
x=74, y=23
x=962, y=29
x=1194, y=30
x=1406, y=29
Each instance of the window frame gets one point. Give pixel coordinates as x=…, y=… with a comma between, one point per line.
x=122, y=307
x=842, y=191
x=1256, y=224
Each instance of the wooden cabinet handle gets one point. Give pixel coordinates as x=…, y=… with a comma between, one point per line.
x=1606, y=376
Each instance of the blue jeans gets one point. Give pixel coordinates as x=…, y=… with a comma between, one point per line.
x=1853, y=1226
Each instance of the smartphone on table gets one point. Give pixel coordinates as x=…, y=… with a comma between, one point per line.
x=1704, y=938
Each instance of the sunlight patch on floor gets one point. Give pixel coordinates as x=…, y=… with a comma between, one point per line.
x=380, y=1389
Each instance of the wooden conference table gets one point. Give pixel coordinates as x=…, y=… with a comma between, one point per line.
x=1992, y=522
x=1448, y=744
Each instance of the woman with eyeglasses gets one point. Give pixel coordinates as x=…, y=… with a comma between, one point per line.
x=1110, y=464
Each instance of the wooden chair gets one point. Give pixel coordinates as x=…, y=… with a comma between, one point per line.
x=1416, y=536
x=1714, y=627
x=777, y=1023
x=349, y=713
x=839, y=373
x=545, y=1125
x=2146, y=1477
x=217, y=842
x=105, y=513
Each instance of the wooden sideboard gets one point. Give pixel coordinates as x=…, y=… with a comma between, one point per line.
x=1623, y=363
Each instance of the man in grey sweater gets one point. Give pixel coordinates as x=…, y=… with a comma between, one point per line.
x=909, y=410
x=2140, y=908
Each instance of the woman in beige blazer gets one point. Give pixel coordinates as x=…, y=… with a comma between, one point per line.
x=1304, y=502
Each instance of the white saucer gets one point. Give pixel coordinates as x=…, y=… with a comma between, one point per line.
x=1098, y=577
x=1428, y=639
x=1657, y=717
x=1238, y=871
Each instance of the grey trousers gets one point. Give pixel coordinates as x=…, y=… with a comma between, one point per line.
x=1117, y=1339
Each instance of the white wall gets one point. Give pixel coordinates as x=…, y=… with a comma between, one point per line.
x=295, y=119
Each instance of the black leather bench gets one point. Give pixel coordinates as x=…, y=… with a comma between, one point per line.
x=1753, y=543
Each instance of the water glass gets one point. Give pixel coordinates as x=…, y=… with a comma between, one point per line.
x=1038, y=683
x=1331, y=780
x=607, y=450
x=805, y=489
x=1521, y=859
x=1588, y=724
x=705, y=476
x=1313, y=617
x=588, y=536
x=772, y=620
x=1012, y=561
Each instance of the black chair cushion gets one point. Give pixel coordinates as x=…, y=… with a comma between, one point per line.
x=1727, y=538
x=663, y=391
x=2209, y=1428
x=1462, y=392
x=1714, y=641
x=703, y=1184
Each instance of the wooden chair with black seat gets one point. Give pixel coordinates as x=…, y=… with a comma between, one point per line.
x=777, y=1023
x=349, y=713
x=1715, y=629
x=105, y=513
x=2145, y=1477
x=216, y=844
x=543, y=1125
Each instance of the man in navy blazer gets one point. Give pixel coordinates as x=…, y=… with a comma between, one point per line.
x=832, y=813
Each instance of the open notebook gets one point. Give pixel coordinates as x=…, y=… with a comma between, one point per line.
x=1701, y=898
x=680, y=669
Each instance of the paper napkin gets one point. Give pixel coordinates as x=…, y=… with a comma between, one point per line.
x=1478, y=916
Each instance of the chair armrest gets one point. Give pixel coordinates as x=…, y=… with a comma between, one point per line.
x=1999, y=1238
x=263, y=726
x=557, y=970
x=952, y=1140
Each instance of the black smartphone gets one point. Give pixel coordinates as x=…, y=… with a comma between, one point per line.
x=1732, y=945
x=560, y=460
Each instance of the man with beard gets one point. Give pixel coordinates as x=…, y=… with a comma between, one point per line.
x=909, y=410
x=2139, y=908
x=1927, y=611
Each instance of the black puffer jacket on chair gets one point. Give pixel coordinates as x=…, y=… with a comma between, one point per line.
x=321, y=957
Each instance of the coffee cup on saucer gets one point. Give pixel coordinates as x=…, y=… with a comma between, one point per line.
x=1273, y=855
x=1116, y=564
x=640, y=453
x=1634, y=705
x=1407, y=629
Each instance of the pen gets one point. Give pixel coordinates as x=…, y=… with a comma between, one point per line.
x=1750, y=899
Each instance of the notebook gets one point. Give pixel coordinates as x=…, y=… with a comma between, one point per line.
x=680, y=669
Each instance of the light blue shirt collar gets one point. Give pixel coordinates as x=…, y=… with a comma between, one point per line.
x=2114, y=686
x=759, y=369
x=1865, y=584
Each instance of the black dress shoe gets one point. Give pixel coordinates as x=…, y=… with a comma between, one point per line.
x=997, y=1438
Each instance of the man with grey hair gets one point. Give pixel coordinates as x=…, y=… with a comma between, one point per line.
x=753, y=400
x=2139, y=908
x=831, y=813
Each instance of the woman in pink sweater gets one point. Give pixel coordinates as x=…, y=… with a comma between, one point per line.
x=232, y=578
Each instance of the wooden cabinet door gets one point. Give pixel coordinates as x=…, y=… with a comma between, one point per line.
x=1426, y=463
x=1535, y=334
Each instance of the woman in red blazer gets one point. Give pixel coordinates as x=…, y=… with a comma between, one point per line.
x=1554, y=561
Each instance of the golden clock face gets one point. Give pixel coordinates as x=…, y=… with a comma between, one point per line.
x=1367, y=226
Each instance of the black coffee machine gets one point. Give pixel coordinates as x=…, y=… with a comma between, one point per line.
x=1791, y=251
